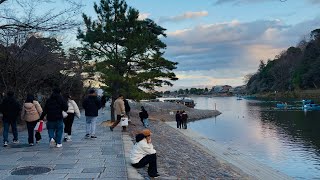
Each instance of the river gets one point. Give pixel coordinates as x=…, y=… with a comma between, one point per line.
x=288, y=141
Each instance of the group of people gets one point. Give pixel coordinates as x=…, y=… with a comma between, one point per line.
x=142, y=153
x=59, y=112
x=181, y=119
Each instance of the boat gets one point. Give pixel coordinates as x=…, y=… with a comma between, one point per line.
x=309, y=105
x=181, y=100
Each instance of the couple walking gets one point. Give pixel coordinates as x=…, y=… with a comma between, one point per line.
x=53, y=110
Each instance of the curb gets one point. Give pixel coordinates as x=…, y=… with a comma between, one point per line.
x=132, y=172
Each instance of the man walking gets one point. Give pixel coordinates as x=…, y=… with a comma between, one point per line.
x=120, y=111
x=91, y=105
x=10, y=109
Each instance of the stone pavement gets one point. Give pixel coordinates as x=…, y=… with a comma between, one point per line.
x=101, y=158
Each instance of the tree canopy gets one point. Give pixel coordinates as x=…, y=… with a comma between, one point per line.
x=128, y=51
x=294, y=69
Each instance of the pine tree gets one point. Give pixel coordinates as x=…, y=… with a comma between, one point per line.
x=128, y=51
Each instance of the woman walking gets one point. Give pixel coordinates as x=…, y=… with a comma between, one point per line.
x=178, y=119
x=31, y=111
x=143, y=114
x=73, y=110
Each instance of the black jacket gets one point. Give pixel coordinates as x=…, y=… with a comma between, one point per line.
x=91, y=105
x=10, y=108
x=54, y=107
x=143, y=114
x=126, y=106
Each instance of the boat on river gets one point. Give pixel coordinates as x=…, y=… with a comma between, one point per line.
x=181, y=100
x=309, y=105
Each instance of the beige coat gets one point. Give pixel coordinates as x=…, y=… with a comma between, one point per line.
x=31, y=111
x=119, y=106
x=140, y=150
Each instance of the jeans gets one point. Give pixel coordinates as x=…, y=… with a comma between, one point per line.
x=30, y=127
x=55, y=130
x=68, y=121
x=150, y=159
x=91, y=124
x=6, y=124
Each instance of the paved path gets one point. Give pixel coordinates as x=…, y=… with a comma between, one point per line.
x=101, y=158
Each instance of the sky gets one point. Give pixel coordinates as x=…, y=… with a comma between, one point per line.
x=218, y=42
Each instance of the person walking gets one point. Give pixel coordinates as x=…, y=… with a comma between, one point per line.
x=143, y=153
x=73, y=110
x=143, y=114
x=103, y=103
x=91, y=105
x=31, y=111
x=119, y=109
x=53, y=110
x=184, y=119
x=127, y=108
x=10, y=109
x=178, y=119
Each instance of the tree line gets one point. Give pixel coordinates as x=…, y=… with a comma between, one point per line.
x=118, y=49
x=297, y=68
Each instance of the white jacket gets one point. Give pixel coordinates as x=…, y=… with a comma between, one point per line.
x=140, y=150
x=73, y=108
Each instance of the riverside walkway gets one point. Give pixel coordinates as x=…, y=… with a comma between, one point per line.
x=101, y=158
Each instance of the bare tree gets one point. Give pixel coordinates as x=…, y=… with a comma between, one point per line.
x=20, y=18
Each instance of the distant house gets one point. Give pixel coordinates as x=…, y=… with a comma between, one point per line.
x=221, y=89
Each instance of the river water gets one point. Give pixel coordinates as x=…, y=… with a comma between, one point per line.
x=288, y=141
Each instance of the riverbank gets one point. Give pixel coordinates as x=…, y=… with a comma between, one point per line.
x=178, y=156
x=301, y=94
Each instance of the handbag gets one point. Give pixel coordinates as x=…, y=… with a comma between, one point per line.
x=124, y=121
x=64, y=114
x=39, y=126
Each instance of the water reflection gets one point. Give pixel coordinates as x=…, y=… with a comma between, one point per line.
x=288, y=141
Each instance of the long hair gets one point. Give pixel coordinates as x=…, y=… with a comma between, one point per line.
x=29, y=99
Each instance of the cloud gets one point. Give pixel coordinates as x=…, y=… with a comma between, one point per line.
x=182, y=17
x=227, y=51
x=143, y=16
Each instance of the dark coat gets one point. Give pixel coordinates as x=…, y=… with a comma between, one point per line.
x=178, y=117
x=103, y=101
x=54, y=107
x=91, y=105
x=126, y=106
x=184, y=116
x=10, y=108
x=143, y=114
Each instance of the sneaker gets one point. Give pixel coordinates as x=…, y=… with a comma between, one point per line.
x=59, y=145
x=38, y=142
x=155, y=176
x=111, y=128
x=93, y=137
x=15, y=141
x=65, y=139
x=31, y=144
x=52, y=142
x=87, y=135
x=5, y=144
x=68, y=140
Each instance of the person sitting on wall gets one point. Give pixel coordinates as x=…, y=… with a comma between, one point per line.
x=143, y=153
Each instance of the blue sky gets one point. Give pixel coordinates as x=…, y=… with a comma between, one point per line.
x=218, y=42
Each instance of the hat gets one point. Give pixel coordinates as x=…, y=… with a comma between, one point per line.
x=146, y=132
